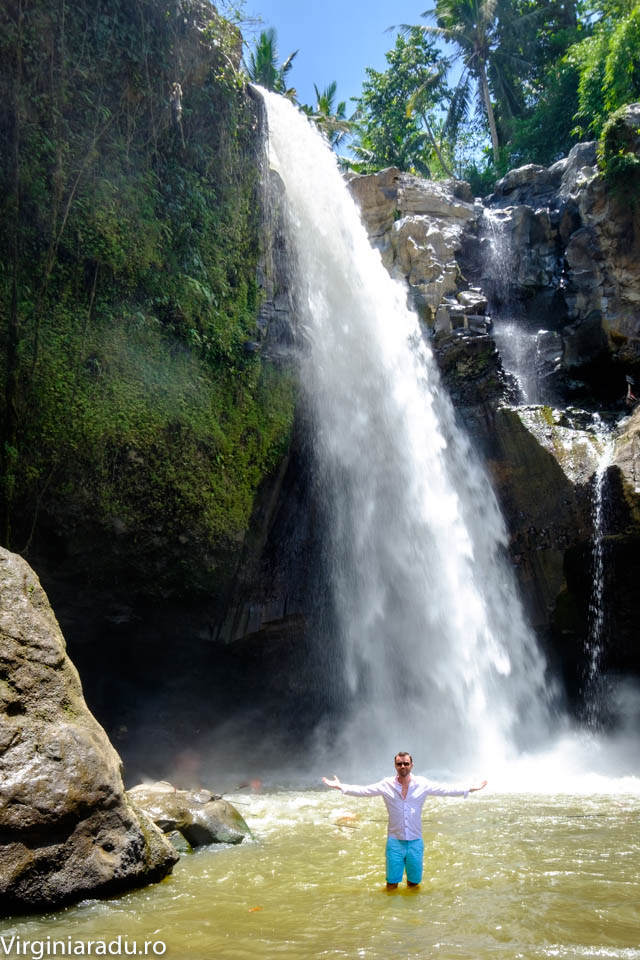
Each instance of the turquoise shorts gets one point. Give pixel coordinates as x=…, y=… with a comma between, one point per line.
x=401, y=854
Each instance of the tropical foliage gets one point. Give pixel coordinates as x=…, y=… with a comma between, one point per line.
x=509, y=82
x=330, y=117
x=608, y=64
x=395, y=121
x=469, y=26
x=263, y=66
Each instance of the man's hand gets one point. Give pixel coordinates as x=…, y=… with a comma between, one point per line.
x=480, y=787
x=332, y=783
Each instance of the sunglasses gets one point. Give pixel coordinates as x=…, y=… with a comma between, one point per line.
x=403, y=763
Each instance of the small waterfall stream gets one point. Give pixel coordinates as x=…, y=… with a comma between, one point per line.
x=520, y=348
x=516, y=342
x=434, y=639
x=594, y=691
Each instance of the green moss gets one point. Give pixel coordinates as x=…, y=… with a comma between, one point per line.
x=131, y=242
x=547, y=416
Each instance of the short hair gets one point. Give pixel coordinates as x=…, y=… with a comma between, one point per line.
x=403, y=753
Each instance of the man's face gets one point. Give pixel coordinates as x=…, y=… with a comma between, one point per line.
x=404, y=765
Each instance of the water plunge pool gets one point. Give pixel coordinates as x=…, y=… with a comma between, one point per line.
x=506, y=876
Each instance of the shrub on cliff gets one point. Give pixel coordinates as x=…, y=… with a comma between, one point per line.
x=618, y=152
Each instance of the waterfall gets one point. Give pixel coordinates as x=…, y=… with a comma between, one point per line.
x=516, y=343
x=593, y=692
x=437, y=657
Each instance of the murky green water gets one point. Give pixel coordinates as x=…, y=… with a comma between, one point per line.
x=506, y=876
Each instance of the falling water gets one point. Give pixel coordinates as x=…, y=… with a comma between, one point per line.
x=436, y=651
x=594, y=684
x=515, y=342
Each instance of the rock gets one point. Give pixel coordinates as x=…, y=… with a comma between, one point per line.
x=377, y=197
x=531, y=175
x=68, y=830
x=180, y=842
x=419, y=226
x=549, y=348
x=473, y=300
x=523, y=253
x=472, y=372
x=568, y=248
x=436, y=199
x=626, y=457
x=199, y=816
x=537, y=468
x=578, y=169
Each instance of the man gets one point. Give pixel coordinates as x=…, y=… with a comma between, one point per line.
x=404, y=796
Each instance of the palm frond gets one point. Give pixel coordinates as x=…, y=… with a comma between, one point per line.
x=288, y=63
x=460, y=106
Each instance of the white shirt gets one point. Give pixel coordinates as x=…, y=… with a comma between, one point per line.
x=405, y=813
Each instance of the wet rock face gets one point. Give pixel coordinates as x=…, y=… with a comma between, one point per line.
x=67, y=829
x=549, y=231
x=570, y=252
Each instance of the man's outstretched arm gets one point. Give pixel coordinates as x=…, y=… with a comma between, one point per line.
x=448, y=790
x=480, y=786
x=354, y=789
x=332, y=783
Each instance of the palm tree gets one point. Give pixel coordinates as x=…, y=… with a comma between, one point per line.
x=263, y=68
x=418, y=102
x=470, y=25
x=330, y=118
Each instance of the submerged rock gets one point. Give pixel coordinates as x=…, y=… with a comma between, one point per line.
x=67, y=828
x=199, y=816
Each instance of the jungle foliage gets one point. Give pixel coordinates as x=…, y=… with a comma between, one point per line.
x=128, y=252
x=512, y=82
x=394, y=121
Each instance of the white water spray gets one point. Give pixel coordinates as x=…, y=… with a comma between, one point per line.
x=436, y=649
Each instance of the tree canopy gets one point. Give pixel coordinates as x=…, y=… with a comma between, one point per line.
x=395, y=116
x=482, y=86
x=263, y=65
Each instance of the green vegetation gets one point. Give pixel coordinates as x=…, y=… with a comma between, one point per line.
x=395, y=114
x=263, y=68
x=532, y=78
x=618, y=159
x=128, y=254
x=608, y=64
x=330, y=117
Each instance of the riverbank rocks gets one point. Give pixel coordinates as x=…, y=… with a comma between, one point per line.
x=67, y=828
x=199, y=816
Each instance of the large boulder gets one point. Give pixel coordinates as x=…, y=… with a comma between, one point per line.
x=199, y=815
x=67, y=828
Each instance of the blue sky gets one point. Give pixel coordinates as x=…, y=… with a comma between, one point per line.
x=336, y=39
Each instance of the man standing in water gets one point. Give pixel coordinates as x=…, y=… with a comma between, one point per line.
x=404, y=796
